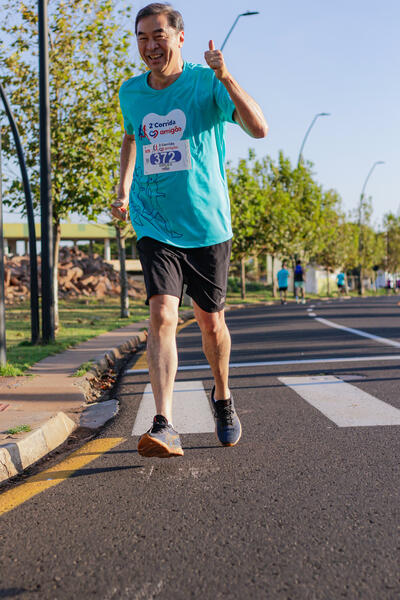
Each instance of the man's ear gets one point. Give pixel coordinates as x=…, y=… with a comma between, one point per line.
x=181, y=38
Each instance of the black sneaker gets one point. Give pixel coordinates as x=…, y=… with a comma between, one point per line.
x=228, y=427
x=161, y=440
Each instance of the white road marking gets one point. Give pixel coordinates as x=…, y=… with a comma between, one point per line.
x=191, y=409
x=344, y=404
x=273, y=363
x=312, y=314
x=359, y=332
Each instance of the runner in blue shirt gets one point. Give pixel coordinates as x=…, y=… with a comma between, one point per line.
x=299, y=282
x=340, y=280
x=172, y=176
x=283, y=276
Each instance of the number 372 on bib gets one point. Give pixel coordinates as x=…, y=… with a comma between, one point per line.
x=167, y=157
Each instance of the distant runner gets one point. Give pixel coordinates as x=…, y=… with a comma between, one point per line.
x=283, y=276
x=299, y=282
x=174, y=149
x=340, y=281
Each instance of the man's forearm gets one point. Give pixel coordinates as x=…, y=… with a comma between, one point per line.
x=248, y=113
x=127, y=165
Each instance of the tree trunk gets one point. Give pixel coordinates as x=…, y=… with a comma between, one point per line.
x=294, y=268
x=256, y=268
x=274, y=286
x=57, y=239
x=122, y=274
x=243, y=277
x=361, y=282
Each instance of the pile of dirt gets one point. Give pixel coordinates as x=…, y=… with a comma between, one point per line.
x=78, y=275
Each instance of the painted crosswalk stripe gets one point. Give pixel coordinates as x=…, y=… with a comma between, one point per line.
x=343, y=403
x=191, y=409
x=273, y=363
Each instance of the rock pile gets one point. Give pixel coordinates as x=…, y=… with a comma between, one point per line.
x=78, y=275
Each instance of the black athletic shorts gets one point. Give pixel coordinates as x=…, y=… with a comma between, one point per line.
x=204, y=271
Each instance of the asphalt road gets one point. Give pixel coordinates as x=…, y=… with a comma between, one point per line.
x=300, y=509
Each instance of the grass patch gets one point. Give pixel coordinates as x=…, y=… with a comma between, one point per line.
x=80, y=320
x=83, y=369
x=19, y=429
x=9, y=370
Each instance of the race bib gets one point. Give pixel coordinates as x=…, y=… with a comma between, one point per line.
x=166, y=157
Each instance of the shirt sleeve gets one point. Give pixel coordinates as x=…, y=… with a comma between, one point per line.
x=128, y=125
x=226, y=107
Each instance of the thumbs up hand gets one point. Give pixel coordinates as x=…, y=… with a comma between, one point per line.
x=215, y=60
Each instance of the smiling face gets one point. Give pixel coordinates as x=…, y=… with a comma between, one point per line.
x=160, y=45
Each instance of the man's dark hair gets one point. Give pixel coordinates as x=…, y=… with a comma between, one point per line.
x=157, y=8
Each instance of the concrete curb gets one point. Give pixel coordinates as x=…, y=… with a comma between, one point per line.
x=17, y=456
x=109, y=359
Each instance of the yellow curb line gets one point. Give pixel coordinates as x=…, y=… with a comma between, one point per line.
x=141, y=363
x=57, y=474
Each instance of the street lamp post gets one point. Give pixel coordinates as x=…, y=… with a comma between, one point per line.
x=246, y=14
x=3, y=354
x=360, y=224
x=34, y=285
x=321, y=114
x=46, y=209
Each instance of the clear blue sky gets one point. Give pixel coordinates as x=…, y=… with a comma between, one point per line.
x=301, y=58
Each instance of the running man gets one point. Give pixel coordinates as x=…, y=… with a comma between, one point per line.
x=341, y=281
x=283, y=276
x=172, y=176
x=299, y=282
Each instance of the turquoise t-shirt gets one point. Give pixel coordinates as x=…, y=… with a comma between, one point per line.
x=283, y=276
x=179, y=193
x=340, y=279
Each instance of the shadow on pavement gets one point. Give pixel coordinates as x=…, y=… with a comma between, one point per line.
x=81, y=472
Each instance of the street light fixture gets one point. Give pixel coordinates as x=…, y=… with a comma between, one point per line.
x=246, y=14
x=321, y=114
x=3, y=354
x=46, y=208
x=360, y=223
x=378, y=162
x=34, y=284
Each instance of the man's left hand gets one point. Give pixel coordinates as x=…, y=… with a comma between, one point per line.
x=215, y=60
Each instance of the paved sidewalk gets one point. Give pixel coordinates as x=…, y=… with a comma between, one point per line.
x=52, y=402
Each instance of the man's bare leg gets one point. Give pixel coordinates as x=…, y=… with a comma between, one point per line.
x=216, y=347
x=162, y=354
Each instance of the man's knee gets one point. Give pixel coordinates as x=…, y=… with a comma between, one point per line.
x=211, y=323
x=163, y=312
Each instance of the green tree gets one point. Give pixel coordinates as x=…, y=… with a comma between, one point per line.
x=371, y=246
x=88, y=60
x=391, y=225
x=247, y=208
x=331, y=249
x=297, y=206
